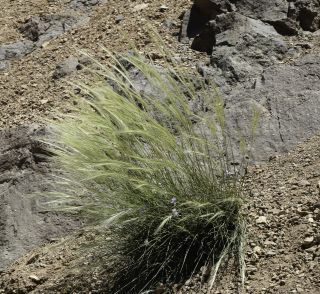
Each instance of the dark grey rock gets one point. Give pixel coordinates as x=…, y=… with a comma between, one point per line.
x=212, y=8
x=308, y=14
x=36, y=31
x=15, y=50
x=40, y=29
x=205, y=41
x=266, y=10
x=169, y=23
x=193, y=23
x=119, y=18
x=66, y=67
x=244, y=46
x=287, y=97
x=23, y=171
x=4, y=65
x=287, y=17
x=85, y=4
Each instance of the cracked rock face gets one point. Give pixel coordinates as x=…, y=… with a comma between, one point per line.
x=23, y=170
x=287, y=97
x=256, y=66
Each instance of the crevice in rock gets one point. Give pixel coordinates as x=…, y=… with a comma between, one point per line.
x=280, y=130
x=306, y=18
x=285, y=27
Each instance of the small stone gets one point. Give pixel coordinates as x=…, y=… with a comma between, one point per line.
x=282, y=282
x=307, y=242
x=66, y=67
x=44, y=101
x=271, y=253
x=169, y=23
x=304, y=183
x=34, y=278
x=119, y=18
x=163, y=8
x=45, y=44
x=269, y=243
x=261, y=220
x=140, y=7
x=310, y=220
x=257, y=250
x=299, y=290
x=275, y=211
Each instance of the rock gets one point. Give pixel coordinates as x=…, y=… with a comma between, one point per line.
x=304, y=183
x=140, y=7
x=261, y=220
x=211, y=8
x=23, y=171
x=163, y=8
x=85, y=60
x=283, y=87
x=40, y=29
x=85, y=4
x=271, y=253
x=269, y=243
x=67, y=67
x=282, y=282
x=257, y=250
x=307, y=242
x=307, y=13
x=15, y=50
x=35, y=279
x=169, y=23
x=119, y=18
x=193, y=24
x=286, y=27
x=4, y=65
x=266, y=10
x=205, y=41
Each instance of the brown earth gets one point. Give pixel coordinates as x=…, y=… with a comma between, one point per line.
x=283, y=250
x=28, y=91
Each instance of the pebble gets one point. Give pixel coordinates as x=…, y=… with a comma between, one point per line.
x=304, y=183
x=307, y=242
x=140, y=7
x=163, y=8
x=261, y=220
x=119, y=18
x=257, y=250
x=271, y=253
x=34, y=278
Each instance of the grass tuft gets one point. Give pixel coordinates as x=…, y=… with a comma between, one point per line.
x=155, y=167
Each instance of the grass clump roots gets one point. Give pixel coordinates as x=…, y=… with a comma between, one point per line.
x=156, y=171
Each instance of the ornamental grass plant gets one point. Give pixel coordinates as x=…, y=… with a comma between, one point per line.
x=155, y=170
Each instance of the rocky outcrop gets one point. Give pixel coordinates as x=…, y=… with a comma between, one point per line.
x=23, y=172
x=257, y=66
x=286, y=16
x=287, y=97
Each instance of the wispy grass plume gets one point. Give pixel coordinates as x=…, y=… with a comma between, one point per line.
x=156, y=167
